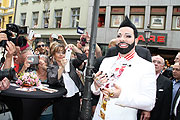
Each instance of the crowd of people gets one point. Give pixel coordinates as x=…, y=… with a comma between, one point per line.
x=129, y=83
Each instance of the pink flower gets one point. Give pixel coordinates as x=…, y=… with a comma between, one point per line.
x=28, y=78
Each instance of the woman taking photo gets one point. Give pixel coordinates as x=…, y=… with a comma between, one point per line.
x=66, y=108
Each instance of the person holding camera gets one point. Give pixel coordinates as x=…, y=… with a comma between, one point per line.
x=58, y=38
x=10, y=47
x=84, y=46
x=24, y=62
x=66, y=108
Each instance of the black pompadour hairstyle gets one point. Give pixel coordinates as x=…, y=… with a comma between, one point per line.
x=128, y=23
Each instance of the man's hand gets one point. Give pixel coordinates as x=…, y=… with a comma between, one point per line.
x=26, y=65
x=74, y=48
x=4, y=84
x=50, y=39
x=145, y=115
x=113, y=93
x=61, y=38
x=99, y=79
x=3, y=36
x=11, y=48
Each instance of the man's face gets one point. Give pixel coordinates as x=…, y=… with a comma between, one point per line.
x=177, y=58
x=158, y=63
x=41, y=48
x=176, y=71
x=126, y=40
x=86, y=51
x=24, y=56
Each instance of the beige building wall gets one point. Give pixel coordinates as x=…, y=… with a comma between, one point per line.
x=65, y=5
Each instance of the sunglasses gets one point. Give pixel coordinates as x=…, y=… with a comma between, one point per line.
x=40, y=46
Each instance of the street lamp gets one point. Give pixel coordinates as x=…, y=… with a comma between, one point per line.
x=147, y=34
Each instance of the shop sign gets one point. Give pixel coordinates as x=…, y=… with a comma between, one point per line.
x=159, y=39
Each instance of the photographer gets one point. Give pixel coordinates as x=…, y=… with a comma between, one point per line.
x=10, y=47
x=24, y=63
x=83, y=44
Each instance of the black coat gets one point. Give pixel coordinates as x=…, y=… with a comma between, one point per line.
x=162, y=108
x=177, y=117
x=52, y=73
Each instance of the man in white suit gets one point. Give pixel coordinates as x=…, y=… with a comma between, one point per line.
x=125, y=82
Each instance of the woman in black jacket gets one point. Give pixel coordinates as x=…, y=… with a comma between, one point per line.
x=66, y=108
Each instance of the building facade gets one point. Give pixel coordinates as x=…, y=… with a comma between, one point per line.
x=53, y=16
x=7, y=11
x=163, y=17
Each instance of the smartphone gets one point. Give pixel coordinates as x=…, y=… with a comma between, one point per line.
x=31, y=33
x=36, y=35
x=68, y=54
x=54, y=36
x=34, y=59
x=68, y=57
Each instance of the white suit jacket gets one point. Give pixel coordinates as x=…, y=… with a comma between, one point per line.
x=138, y=90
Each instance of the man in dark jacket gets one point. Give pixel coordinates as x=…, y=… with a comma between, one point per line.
x=176, y=101
x=162, y=108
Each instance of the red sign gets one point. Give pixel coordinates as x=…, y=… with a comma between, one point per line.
x=155, y=39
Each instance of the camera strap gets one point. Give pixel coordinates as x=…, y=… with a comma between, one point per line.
x=2, y=59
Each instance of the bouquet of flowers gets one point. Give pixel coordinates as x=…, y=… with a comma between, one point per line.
x=28, y=79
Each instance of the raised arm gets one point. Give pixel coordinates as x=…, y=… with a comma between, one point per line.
x=10, y=47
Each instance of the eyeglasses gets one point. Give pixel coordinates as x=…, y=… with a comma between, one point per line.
x=40, y=46
x=176, y=69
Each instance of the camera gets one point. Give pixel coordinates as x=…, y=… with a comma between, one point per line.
x=55, y=37
x=9, y=73
x=34, y=59
x=83, y=41
x=23, y=30
x=17, y=40
x=17, y=29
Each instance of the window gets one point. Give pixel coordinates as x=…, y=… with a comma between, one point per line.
x=117, y=16
x=24, y=1
x=46, y=18
x=58, y=17
x=11, y=3
x=35, y=19
x=36, y=0
x=23, y=19
x=137, y=16
x=158, y=16
x=101, y=18
x=75, y=17
x=176, y=18
x=10, y=19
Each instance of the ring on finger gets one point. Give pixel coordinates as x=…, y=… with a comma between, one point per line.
x=111, y=94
